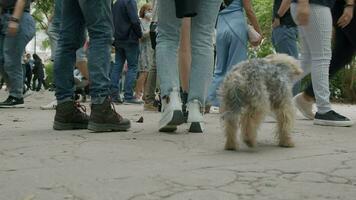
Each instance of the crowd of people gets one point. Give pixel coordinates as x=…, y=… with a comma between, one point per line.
x=162, y=56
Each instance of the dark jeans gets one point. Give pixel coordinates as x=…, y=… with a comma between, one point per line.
x=27, y=75
x=342, y=54
x=39, y=77
x=123, y=52
x=76, y=16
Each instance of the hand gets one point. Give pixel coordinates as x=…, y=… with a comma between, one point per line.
x=303, y=13
x=257, y=43
x=12, y=28
x=276, y=23
x=346, y=17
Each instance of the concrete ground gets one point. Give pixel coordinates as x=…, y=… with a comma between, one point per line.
x=37, y=163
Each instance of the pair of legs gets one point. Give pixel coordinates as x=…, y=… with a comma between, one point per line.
x=202, y=27
x=11, y=51
x=125, y=52
x=96, y=17
x=316, y=55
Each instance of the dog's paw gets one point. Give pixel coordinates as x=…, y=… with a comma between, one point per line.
x=250, y=143
x=287, y=143
x=231, y=146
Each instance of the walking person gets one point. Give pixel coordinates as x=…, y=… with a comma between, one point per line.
x=76, y=16
x=202, y=28
x=38, y=73
x=314, y=21
x=343, y=51
x=146, y=51
x=18, y=28
x=127, y=34
x=231, y=42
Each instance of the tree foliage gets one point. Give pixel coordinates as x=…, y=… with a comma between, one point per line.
x=42, y=12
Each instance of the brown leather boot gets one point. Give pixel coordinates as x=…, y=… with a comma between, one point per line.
x=104, y=118
x=70, y=115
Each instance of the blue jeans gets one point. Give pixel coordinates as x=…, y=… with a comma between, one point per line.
x=202, y=29
x=231, y=49
x=123, y=52
x=11, y=51
x=284, y=40
x=76, y=16
x=53, y=33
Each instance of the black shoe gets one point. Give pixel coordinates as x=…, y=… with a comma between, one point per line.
x=69, y=116
x=104, y=118
x=332, y=118
x=12, y=102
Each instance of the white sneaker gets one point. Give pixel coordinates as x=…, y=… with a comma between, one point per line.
x=214, y=110
x=195, y=117
x=50, y=106
x=172, y=114
x=305, y=107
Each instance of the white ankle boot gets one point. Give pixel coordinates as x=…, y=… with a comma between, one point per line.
x=172, y=114
x=195, y=117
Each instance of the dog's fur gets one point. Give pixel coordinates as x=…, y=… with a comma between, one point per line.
x=251, y=90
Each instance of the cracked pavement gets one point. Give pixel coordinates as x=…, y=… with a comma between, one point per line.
x=37, y=163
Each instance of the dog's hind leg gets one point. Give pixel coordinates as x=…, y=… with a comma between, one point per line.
x=231, y=127
x=285, y=115
x=250, y=123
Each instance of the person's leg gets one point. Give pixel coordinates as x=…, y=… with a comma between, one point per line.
x=150, y=86
x=284, y=40
x=185, y=54
x=202, y=61
x=99, y=25
x=202, y=50
x=53, y=35
x=71, y=39
x=98, y=18
x=140, y=84
x=318, y=36
x=116, y=72
x=222, y=49
x=28, y=76
x=167, y=65
x=342, y=53
x=167, y=47
x=132, y=53
x=13, y=51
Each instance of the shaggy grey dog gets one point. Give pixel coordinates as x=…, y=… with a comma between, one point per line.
x=251, y=90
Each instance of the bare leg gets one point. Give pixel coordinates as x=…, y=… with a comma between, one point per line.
x=185, y=57
x=140, y=84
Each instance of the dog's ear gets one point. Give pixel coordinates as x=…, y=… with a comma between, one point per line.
x=284, y=59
